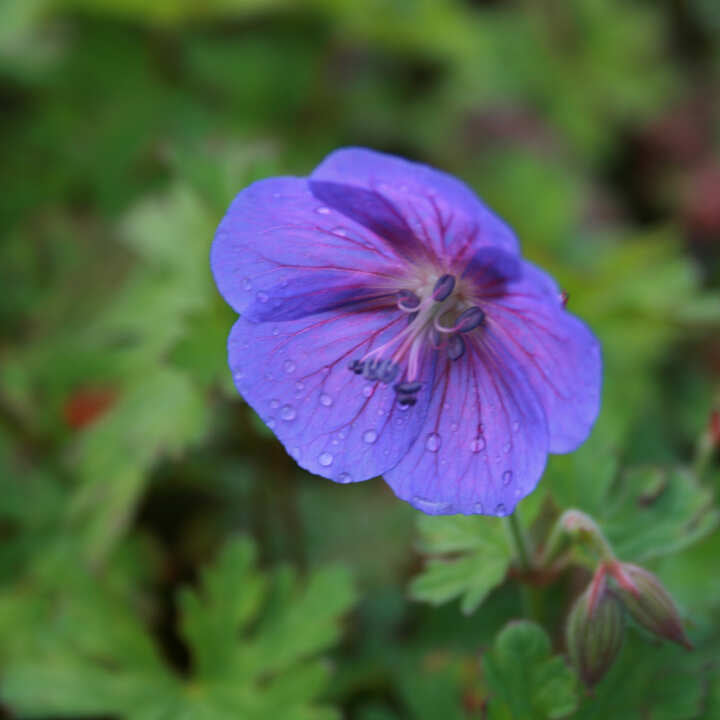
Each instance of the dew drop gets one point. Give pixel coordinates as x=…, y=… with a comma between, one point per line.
x=289, y=366
x=367, y=391
x=276, y=331
x=326, y=400
x=501, y=510
x=478, y=444
x=478, y=508
x=274, y=403
x=369, y=436
x=507, y=477
x=325, y=459
x=247, y=283
x=324, y=210
x=287, y=412
x=507, y=447
x=239, y=375
x=270, y=423
x=431, y=507
x=454, y=427
x=262, y=297
x=432, y=442
x=344, y=478
x=299, y=385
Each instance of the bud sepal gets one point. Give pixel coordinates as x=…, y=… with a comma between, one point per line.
x=648, y=602
x=595, y=630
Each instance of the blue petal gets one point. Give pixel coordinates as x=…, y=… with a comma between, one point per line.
x=444, y=213
x=279, y=253
x=484, y=443
x=559, y=354
x=334, y=423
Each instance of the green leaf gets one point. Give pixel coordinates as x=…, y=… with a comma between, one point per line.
x=156, y=417
x=254, y=642
x=525, y=680
x=655, y=512
x=474, y=556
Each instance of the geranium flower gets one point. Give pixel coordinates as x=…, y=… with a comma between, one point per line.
x=390, y=327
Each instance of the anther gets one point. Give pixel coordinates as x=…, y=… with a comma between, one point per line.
x=443, y=287
x=456, y=347
x=469, y=319
x=356, y=366
x=407, y=388
x=407, y=300
x=407, y=400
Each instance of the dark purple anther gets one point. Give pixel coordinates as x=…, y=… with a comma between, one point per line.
x=408, y=400
x=412, y=317
x=407, y=299
x=469, y=319
x=456, y=347
x=443, y=287
x=408, y=388
x=356, y=366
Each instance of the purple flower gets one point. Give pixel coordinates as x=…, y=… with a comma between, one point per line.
x=390, y=327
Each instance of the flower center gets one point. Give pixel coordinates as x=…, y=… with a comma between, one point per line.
x=437, y=314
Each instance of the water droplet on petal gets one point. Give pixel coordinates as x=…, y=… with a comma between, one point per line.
x=270, y=423
x=432, y=442
x=324, y=210
x=370, y=436
x=478, y=444
x=344, y=478
x=262, y=297
x=239, y=375
x=289, y=366
x=501, y=510
x=431, y=507
x=507, y=447
x=478, y=508
x=274, y=403
x=287, y=412
x=276, y=331
x=507, y=477
x=454, y=427
x=247, y=283
x=367, y=390
x=325, y=459
x=299, y=385
x=326, y=400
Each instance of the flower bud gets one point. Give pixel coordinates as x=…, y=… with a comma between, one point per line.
x=649, y=602
x=595, y=631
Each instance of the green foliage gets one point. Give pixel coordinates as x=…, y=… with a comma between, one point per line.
x=253, y=641
x=525, y=680
x=476, y=558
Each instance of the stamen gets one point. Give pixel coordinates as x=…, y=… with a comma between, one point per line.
x=408, y=400
x=456, y=347
x=443, y=287
x=356, y=366
x=407, y=387
x=407, y=300
x=469, y=319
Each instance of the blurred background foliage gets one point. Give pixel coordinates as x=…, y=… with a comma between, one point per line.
x=160, y=556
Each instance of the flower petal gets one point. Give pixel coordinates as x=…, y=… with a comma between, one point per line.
x=334, y=423
x=559, y=353
x=443, y=212
x=484, y=442
x=279, y=253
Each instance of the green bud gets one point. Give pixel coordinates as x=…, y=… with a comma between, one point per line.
x=595, y=630
x=649, y=602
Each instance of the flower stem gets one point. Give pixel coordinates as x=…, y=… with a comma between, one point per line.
x=519, y=541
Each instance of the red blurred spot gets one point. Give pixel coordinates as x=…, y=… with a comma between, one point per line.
x=86, y=405
x=564, y=297
x=715, y=428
